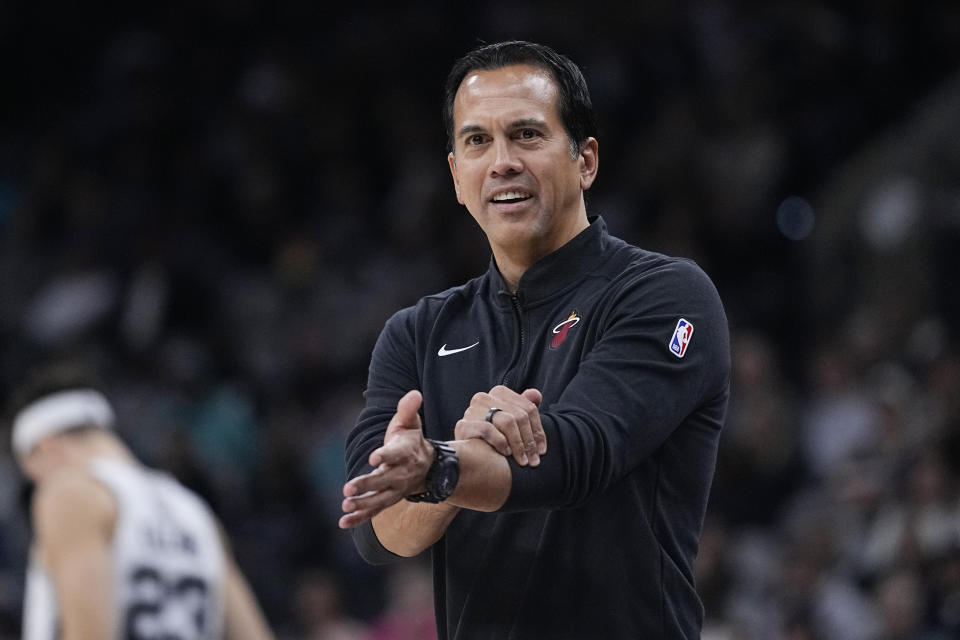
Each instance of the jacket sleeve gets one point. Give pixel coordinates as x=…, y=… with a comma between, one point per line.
x=392, y=373
x=631, y=394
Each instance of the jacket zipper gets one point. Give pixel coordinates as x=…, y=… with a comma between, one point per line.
x=518, y=314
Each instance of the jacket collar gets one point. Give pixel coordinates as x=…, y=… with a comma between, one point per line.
x=559, y=270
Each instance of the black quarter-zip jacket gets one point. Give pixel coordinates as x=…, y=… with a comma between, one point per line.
x=630, y=350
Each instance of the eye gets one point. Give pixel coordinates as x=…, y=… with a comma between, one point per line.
x=529, y=134
x=475, y=140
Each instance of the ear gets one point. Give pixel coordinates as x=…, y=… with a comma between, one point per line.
x=452, y=161
x=589, y=162
x=40, y=458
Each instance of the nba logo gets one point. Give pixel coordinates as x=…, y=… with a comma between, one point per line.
x=681, y=338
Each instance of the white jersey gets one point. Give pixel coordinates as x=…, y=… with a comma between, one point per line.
x=168, y=562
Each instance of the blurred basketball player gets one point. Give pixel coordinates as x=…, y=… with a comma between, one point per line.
x=119, y=550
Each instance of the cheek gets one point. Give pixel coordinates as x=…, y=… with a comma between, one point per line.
x=32, y=466
x=568, y=186
x=469, y=188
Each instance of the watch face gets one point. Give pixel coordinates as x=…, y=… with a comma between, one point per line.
x=446, y=484
x=446, y=479
x=443, y=474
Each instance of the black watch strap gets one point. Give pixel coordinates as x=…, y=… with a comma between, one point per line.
x=442, y=476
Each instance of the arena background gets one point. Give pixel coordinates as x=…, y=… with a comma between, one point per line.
x=219, y=204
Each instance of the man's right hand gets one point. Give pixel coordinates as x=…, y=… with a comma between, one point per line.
x=400, y=466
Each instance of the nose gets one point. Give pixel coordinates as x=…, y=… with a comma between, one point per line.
x=505, y=160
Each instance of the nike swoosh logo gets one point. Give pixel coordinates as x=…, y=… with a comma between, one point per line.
x=449, y=352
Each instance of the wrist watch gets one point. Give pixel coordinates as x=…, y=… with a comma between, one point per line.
x=442, y=476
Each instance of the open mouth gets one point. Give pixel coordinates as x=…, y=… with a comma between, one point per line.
x=511, y=197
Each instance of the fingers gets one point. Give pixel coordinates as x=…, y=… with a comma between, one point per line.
x=367, y=495
x=362, y=503
x=358, y=509
x=539, y=435
x=405, y=454
x=381, y=479
x=516, y=428
x=533, y=395
x=353, y=519
x=467, y=429
x=522, y=424
x=518, y=422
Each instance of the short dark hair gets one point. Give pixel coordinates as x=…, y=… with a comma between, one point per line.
x=573, y=95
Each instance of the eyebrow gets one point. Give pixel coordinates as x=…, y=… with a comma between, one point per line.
x=528, y=122
x=516, y=124
x=469, y=128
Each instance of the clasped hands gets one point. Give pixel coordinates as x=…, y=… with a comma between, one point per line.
x=401, y=464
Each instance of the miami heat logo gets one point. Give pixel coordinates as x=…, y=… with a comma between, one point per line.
x=560, y=331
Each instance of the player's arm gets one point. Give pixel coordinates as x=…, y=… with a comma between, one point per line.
x=243, y=617
x=74, y=518
x=400, y=468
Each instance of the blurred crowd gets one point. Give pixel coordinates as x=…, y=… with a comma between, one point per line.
x=218, y=205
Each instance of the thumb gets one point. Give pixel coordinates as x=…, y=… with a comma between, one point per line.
x=405, y=419
x=533, y=395
x=406, y=416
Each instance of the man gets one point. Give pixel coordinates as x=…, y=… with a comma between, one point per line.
x=549, y=429
x=119, y=550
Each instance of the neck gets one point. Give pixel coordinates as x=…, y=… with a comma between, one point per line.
x=511, y=273
x=104, y=445
x=513, y=261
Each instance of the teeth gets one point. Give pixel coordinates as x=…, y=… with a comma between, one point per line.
x=511, y=195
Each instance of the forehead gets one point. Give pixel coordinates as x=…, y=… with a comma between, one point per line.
x=513, y=91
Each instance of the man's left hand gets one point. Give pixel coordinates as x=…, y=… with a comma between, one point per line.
x=513, y=429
